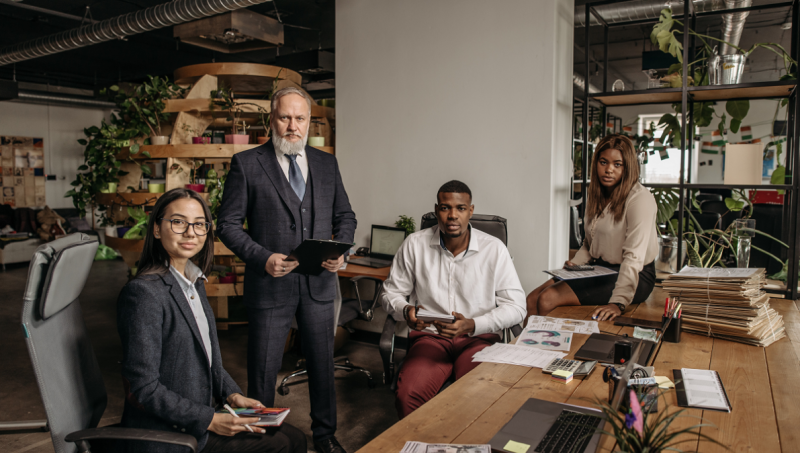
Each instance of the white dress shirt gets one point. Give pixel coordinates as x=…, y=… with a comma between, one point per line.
x=481, y=283
x=302, y=162
x=187, y=285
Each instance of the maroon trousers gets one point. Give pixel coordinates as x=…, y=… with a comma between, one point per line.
x=430, y=362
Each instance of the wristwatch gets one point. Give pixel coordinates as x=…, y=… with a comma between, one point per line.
x=621, y=307
x=405, y=311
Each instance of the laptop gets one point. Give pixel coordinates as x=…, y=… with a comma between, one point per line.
x=600, y=346
x=550, y=427
x=384, y=242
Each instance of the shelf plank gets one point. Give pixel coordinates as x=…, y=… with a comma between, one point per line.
x=743, y=91
x=201, y=106
x=640, y=97
x=757, y=90
x=241, y=77
x=128, y=199
x=221, y=151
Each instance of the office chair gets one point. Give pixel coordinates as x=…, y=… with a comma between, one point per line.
x=701, y=197
x=718, y=206
x=64, y=363
x=575, y=221
x=490, y=224
x=339, y=363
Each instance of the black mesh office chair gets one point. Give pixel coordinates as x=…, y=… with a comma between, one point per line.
x=69, y=378
x=490, y=224
x=342, y=311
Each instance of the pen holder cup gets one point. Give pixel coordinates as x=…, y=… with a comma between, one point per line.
x=673, y=332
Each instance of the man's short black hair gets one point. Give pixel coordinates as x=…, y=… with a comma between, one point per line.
x=454, y=186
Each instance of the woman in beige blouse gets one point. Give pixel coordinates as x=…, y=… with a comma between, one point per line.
x=620, y=225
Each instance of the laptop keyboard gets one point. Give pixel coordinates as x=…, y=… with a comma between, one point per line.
x=570, y=433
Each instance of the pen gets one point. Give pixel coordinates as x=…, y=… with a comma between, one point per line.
x=677, y=309
x=228, y=408
x=666, y=303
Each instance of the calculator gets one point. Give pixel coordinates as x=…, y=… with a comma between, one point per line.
x=562, y=364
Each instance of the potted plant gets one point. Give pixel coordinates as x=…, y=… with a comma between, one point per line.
x=224, y=98
x=101, y=168
x=407, y=223
x=139, y=229
x=664, y=36
x=142, y=108
x=198, y=137
x=215, y=185
x=196, y=164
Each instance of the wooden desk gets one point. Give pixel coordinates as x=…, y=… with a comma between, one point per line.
x=354, y=270
x=762, y=384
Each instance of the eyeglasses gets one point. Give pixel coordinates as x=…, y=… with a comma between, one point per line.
x=181, y=226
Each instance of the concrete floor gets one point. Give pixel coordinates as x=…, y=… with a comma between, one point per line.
x=363, y=413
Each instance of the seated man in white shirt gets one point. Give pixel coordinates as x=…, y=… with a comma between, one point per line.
x=454, y=269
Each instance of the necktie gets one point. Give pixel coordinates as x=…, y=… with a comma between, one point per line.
x=295, y=177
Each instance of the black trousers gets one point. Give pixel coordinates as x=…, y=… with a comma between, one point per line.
x=284, y=439
x=265, y=343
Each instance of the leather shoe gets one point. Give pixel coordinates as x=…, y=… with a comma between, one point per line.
x=329, y=445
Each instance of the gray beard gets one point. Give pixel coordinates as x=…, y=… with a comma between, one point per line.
x=287, y=147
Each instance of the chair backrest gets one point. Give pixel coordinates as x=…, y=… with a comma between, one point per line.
x=64, y=363
x=708, y=197
x=489, y=224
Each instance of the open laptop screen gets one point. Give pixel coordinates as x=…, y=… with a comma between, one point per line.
x=385, y=241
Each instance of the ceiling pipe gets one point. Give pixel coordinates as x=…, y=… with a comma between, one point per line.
x=43, y=97
x=155, y=17
x=47, y=11
x=732, y=25
x=579, y=82
x=643, y=10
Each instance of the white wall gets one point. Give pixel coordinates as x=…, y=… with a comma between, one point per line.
x=429, y=91
x=60, y=127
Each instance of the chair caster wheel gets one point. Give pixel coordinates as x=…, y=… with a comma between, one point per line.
x=371, y=383
x=283, y=391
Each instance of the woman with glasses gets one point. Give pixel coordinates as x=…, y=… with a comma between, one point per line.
x=620, y=224
x=172, y=367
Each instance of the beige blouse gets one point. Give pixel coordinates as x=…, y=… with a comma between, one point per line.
x=632, y=242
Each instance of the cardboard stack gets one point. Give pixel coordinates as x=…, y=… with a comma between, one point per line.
x=726, y=303
x=22, y=171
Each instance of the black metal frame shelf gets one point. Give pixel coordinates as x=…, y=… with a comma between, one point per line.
x=687, y=96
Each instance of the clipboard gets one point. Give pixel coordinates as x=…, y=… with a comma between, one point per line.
x=312, y=252
x=680, y=393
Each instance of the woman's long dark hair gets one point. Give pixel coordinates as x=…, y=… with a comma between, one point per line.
x=598, y=199
x=154, y=256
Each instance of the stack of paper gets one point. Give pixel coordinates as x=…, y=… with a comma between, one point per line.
x=431, y=316
x=726, y=303
x=517, y=355
x=422, y=447
x=562, y=376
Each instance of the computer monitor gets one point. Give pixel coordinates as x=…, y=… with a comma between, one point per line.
x=385, y=241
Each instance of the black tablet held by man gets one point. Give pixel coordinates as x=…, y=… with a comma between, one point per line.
x=312, y=252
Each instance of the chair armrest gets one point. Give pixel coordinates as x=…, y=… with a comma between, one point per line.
x=516, y=329
x=358, y=278
x=386, y=348
x=81, y=437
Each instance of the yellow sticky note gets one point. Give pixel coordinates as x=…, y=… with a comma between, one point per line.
x=664, y=382
x=516, y=447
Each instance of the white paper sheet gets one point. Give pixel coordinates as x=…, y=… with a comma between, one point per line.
x=517, y=355
x=717, y=272
x=562, y=325
x=552, y=340
x=422, y=447
x=563, y=274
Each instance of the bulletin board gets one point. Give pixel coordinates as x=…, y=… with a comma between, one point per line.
x=22, y=175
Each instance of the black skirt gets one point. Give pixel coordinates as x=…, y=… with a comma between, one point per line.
x=597, y=290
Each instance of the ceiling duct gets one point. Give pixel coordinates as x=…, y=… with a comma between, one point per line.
x=160, y=16
x=579, y=82
x=236, y=31
x=43, y=97
x=732, y=25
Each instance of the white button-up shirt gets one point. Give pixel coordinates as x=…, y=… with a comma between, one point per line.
x=302, y=162
x=481, y=283
x=187, y=285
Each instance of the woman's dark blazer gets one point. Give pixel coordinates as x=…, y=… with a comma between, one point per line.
x=168, y=383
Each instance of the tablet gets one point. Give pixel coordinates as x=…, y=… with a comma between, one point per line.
x=312, y=252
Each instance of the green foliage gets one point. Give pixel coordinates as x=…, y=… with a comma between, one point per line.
x=215, y=185
x=139, y=229
x=657, y=433
x=142, y=108
x=667, y=201
x=225, y=99
x=737, y=110
x=407, y=223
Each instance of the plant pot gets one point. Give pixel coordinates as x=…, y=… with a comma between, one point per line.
x=122, y=230
x=237, y=139
x=201, y=140
x=316, y=141
x=228, y=279
x=159, y=139
x=111, y=232
x=156, y=187
x=110, y=188
x=218, y=137
x=261, y=139
x=199, y=188
x=725, y=69
x=667, y=258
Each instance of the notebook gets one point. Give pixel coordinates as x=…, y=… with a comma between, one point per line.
x=701, y=389
x=268, y=416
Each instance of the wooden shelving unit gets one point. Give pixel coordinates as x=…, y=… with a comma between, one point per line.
x=686, y=96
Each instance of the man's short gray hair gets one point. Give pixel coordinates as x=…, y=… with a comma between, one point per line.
x=289, y=90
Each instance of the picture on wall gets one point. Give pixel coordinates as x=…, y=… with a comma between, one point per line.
x=22, y=171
